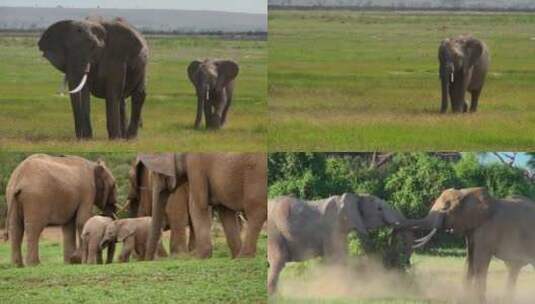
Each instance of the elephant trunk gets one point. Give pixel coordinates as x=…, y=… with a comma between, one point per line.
x=445, y=82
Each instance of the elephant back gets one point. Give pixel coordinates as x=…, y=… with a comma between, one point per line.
x=164, y=164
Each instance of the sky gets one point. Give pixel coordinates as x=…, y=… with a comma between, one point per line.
x=242, y=6
x=520, y=161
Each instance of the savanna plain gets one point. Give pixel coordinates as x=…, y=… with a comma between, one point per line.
x=350, y=80
x=34, y=116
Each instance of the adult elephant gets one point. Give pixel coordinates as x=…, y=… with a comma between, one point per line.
x=49, y=190
x=464, y=62
x=214, y=85
x=105, y=59
x=492, y=227
x=229, y=183
x=299, y=230
x=176, y=215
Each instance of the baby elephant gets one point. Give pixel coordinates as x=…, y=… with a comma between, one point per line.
x=92, y=235
x=133, y=233
x=214, y=84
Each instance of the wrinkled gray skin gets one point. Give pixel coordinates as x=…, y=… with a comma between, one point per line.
x=464, y=62
x=214, y=85
x=92, y=235
x=113, y=55
x=299, y=230
x=502, y=228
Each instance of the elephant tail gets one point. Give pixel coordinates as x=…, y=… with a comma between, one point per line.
x=12, y=211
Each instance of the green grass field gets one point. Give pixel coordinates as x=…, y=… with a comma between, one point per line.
x=349, y=80
x=172, y=280
x=34, y=117
x=432, y=280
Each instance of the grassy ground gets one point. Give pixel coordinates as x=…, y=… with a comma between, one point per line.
x=349, y=80
x=34, y=117
x=432, y=280
x=179, y=280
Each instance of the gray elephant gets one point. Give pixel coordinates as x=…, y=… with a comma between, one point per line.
x=50, y=190
x=299, y=230
x=214, y=85
x=502, y=228
x=105, y=59
x=464, y=62
x=133, y=233
x=92, y=235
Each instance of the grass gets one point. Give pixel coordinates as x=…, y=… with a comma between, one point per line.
x=34, y=117
x=432, y=280
x=172, y=280
x=349, y=80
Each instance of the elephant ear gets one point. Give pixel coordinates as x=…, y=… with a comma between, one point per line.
x=102, y=185
x=349, y=211
x=162, y=163
x=227, y=71
x=193, y=67
x=122, y=41
x=473, y=49
x=473, y=209
x=125, y=230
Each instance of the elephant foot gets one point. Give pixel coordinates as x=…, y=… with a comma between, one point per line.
x=75, y=259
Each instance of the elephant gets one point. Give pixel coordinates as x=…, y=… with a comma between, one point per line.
x=133, y=233
x=92, y=235
x=464, y=62
x=214, y=84
x=55, y=190
x=176, y=210
x=229, y=183
x=107, y=59
x=502, y=228
x=299, y=230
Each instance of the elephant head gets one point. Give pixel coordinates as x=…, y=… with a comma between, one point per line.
x=71, y=47
x=457, y=57
x=455, y=210
x=116, y=231
x=105, y=188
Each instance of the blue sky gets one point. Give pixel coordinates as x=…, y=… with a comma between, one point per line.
x=520, y=161
x=244, y=6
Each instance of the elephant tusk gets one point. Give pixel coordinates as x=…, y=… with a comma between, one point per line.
x=452, y=77
x=208, y=93
x=425, y=239
x=80, y=86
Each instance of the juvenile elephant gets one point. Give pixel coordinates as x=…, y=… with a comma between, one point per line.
x=92, y=235
x=48, y=190
x=299, y=230
x=176, y=217
x=214, y=85
x=106, y=59
x=133, y=233
x=502, y=228
x=464, y=62
x=227, y=182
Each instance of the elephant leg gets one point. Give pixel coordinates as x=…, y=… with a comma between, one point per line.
x=33, y=231
x=208, y=114
x=84, y=249
x=128, y=247
x=514, y=271
x=201, y=216
x=76, y=103
x=111, y=253
x=227, y=106
x=138, y=98
x=93, y=251
x=85, y=114
x=16, y=233
x=231, y=227
x=69, y=241
x=256, y=214
x=177, y=243
x=469, y=279
x=475, y=99
x=122, y=112
x=99, y=256
x=113, y=117
x=191, y=241
x=159, y=200
x=482, y=259
x=162, y=253
x=277, y=257
x=200, y=106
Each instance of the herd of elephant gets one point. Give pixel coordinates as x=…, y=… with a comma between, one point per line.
x=178, y=192
x=501, y=228
x=108, y=59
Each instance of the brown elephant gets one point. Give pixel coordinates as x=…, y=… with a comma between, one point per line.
x=214, y=84
x=176, y=217
x=502, y=228
x=106, y=59
x=299, y=230
x=133, y=233
x=50, y=190
x=227, y=182
x=464, y=62
x=92, y=235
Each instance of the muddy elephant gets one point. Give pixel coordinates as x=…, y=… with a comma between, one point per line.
x=464, y=62
x=176, y=216
x=502, y=228
x=92, y=235
x=133, y=233
x=299, y=230
x=106, y=59
x=55, y=190
x=228, y=183
x=214, y=84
